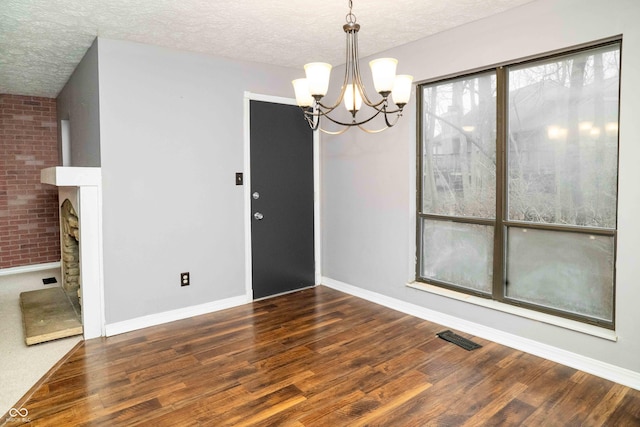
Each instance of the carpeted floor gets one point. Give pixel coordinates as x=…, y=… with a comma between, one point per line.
x=21, y=366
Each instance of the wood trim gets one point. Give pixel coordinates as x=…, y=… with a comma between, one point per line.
x=130, y=325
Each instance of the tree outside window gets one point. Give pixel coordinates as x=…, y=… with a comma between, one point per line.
x=518, y=183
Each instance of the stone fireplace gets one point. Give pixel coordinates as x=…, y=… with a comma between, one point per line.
x=70, y=250
x=80, y=194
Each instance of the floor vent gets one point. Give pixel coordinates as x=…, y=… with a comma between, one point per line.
x=49, y=280
x=458, y=340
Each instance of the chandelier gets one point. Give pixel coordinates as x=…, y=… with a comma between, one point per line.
x=310, y=90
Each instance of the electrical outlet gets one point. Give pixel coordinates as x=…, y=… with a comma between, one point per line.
x=184, y=279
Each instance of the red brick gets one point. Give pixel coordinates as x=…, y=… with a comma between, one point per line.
x=29, y=225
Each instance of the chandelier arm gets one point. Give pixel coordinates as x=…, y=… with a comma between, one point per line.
x=358, y=77
x=334, y=106
x=339, y=132
x=322, y=110
x=312, y=120
x=348, y=70
x=380, y=105
x=386, y=119
x=344, y=84
x=374, y=130
x=354, y=122
x=397, y=110
x=349, y=58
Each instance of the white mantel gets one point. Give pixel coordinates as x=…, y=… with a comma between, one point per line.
x=87, y=182
x=67, y=176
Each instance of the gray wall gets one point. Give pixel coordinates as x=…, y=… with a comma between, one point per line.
x=78, y=102
x=368, y=182
x=172, y=139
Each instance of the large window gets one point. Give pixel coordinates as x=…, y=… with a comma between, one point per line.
x=518, y=183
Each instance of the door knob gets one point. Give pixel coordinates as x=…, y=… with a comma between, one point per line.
x=258, y=216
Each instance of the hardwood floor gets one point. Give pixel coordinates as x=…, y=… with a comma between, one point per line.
x=317, y=357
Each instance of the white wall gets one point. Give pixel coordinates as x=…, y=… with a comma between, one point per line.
x=78, y=103
x=172, y=139
x=368, y=182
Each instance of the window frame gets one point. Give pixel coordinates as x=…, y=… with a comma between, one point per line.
x=501, y=222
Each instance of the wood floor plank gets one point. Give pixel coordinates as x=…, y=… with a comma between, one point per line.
x=324, y=403
x=393, y=394
x=587, y=393
x=512, y=414
x=495, y=405
x=603, y=410
x=263, y=407
x=317, y=357
x=627, y=413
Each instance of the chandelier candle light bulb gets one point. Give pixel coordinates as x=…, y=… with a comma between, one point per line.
x=318, y=74
x=401, y=92
x=310, y=91
x=352, y=99
x=303, y=94
x=383, y=71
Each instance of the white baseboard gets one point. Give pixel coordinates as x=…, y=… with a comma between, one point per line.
x=29, y=268
x=595, y=367
x=173, y=315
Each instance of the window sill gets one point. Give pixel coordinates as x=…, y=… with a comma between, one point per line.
x=518, y=311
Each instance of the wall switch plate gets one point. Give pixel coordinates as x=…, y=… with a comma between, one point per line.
x=184, y=279
x=239, y=178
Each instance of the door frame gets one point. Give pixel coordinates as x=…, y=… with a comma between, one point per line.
x=248, y=97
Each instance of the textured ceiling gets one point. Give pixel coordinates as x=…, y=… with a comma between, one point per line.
x=42, y=41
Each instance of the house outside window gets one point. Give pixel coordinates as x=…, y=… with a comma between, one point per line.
x=517, y=183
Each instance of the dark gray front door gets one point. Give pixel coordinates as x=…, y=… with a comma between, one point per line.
x=282, y=246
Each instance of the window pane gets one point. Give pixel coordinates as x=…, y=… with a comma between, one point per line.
x=563, y=139
x=458, y=137
x=460, y=254
x=565, y=271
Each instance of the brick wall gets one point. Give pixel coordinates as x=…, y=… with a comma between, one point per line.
x=29, y=228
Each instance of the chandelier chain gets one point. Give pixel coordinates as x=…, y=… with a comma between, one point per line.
x=351, y=18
